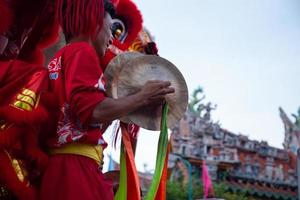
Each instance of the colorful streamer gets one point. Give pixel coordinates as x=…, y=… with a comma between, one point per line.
x=128, y=174
x=161, y=156
x=122, y=190
x=162, y=188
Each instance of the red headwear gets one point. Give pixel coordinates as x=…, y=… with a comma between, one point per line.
x=78, y=17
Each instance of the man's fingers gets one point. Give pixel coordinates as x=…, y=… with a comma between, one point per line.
x=159, y=83
x=165, y=91
x=162, y=94
x=169, y=90
x=166, y=83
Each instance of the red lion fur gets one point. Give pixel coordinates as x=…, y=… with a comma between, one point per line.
x=36, y=14
x=23, y=126
x=130, y=15
x=5, y=13
x=128, y=12
x=44, y=34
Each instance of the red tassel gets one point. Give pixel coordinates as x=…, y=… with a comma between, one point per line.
x=78, y=17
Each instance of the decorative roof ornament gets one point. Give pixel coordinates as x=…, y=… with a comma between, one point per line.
x=292, y=131
x=297, y=118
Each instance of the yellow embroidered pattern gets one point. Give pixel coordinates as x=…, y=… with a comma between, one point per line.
x=26, y=100
x=19, y=168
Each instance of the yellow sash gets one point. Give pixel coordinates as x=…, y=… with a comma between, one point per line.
x=94, y=152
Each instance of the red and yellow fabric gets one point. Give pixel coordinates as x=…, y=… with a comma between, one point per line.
x=77, y=82
x=20, y=112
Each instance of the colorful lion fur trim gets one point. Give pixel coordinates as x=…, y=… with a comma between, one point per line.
x=26, y=27
x=127, y=24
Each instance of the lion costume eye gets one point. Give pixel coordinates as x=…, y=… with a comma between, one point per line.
x=118, y=30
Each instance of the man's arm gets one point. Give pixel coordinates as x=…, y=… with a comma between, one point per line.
x=109, y=109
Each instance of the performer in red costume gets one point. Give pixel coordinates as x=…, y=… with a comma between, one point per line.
x=81, y=111
x=26, y=27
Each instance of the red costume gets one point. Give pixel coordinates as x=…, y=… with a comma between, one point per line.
x=23, y=34
x=77, y=81
x=77, y=84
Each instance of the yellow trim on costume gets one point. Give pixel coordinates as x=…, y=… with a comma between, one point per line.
x=16, y=165
x=30, y=93
x=94, y=152
x=19, y=168
x=22, y=105
x=37, y=101
x=26, y=99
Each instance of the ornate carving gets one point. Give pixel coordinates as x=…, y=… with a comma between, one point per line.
x=292, y=131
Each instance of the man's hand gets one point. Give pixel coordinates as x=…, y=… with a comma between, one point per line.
x=154, y=92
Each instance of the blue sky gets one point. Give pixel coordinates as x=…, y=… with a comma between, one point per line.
x=244, y=53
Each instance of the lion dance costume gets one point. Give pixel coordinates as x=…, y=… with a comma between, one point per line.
x=26, y=27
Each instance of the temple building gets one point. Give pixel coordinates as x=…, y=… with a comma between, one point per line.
x=254, y=167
